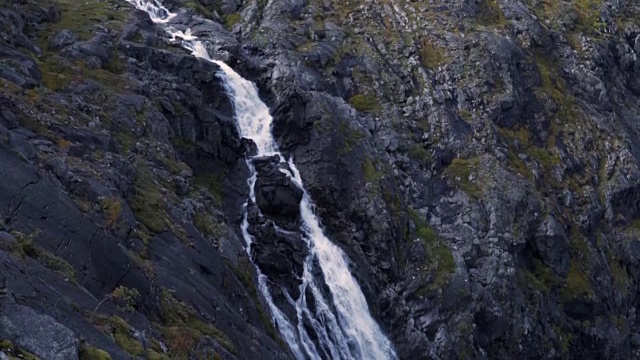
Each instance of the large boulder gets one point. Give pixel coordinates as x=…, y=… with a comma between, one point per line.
x=40, y=334
x=276, y=193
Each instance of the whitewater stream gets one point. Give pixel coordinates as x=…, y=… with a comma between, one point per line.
x=341, y=323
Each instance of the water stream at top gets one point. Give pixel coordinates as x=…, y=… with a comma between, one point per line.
x=342, y=325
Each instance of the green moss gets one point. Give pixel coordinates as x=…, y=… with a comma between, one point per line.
x=432, y=56
x=183, y=328
x=81, y=16
x=519, y=166
x=147, y=202
x=427, y=235
x=544, y=156
x=490, y=14
x=207, y=225
x=445, y=266
x=126, y=297
x=14, y=352
x=364, y=103
x=6, y=345
x=212, y=183
x=153, y=355
x=244, y=274
x=231, y=19
x=198, y=7
x=419, y=153
x=25, y=247
x=112, y=208
x=619, y=273
x=540, y=277
x=350, y=138
x=266, y=322
x=440, y=257
x=182, y=144
x=57, y=72
x=466, y=115
x=552, y=83
x=121, y=333
x=588, y=15
x=565, y=338
x=459, y=171
x=580, y=249
x=371, y=174
x=577, y=283
x=88, y=352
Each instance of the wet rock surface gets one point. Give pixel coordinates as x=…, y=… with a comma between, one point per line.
x=476, y=160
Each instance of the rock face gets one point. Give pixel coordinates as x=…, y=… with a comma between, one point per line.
x=477, y=160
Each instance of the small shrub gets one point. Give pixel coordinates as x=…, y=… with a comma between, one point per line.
x=419, y=153
x=63, y=143
x=126, y=296
x=112, y=208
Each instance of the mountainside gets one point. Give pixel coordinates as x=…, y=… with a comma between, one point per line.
x=477, y=160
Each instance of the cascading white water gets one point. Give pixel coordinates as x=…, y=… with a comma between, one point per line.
x=347, y=332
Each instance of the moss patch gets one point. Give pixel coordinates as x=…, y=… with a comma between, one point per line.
x=198, y=7
x=81, y=16
x=541, y=277
x=440, y=257
x=112, y=207
x=364, y=103
x=147, y=202
x=419, y=153
x=88, y=352
x=212, y=183
x=207, y=225
x=431, y=55
x=231, y=19
x=15, y=352
x=371, y=174
x=459, y=171
x=577, y=284
x=25, y=247
x=490, y=14
x=183, y=328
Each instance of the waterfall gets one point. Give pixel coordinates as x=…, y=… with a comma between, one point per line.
x=341, y=323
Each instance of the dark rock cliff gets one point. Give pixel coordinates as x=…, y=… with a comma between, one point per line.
x=478, y=161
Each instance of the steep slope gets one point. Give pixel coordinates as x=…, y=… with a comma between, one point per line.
x=114, y=150
x=477, y=160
